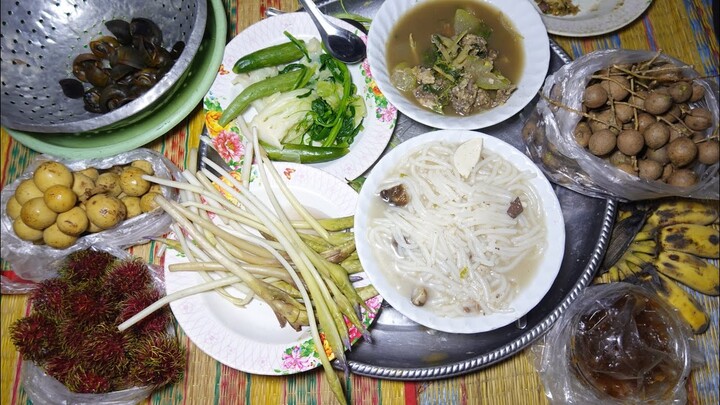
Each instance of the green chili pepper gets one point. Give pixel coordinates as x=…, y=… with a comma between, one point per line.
x=305, y=153
x=270, y=56
x=275, y=84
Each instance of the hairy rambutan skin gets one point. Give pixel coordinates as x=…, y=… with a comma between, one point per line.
x=156, y=360
x=72, y=332
x=60, y=366
x=104, y=350
x=136, y=302
x=86, y=265
x=88, y=307
x=34, y=337
x=48, y=297
x=126, y=277
x=70, y=337
x=81, y=380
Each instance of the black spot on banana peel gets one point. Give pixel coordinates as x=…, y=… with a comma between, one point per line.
x=683, y=212
x=696, y=273
x=688, y=308
x=699, y=240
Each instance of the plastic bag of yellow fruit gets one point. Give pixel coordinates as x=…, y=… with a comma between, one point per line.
x=59, y=206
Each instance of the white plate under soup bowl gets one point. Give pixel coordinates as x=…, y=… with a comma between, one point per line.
x=379, y=269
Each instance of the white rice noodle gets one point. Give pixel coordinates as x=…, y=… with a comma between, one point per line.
x=453, y=223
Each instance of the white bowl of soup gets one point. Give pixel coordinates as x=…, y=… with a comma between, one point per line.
x=458, y=64
x=459, y=231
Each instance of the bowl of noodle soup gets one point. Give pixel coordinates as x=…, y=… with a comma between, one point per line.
x=442, y=245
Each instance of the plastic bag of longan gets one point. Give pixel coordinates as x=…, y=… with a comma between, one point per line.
x=627, y=125
x=58, y=206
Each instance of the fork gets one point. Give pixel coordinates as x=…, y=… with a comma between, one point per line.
x=206, y=149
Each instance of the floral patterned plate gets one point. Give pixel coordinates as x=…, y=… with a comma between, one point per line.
x=250, y=339
x=377, y=126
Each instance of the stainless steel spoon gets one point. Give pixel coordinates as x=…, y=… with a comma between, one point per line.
x=339, y=42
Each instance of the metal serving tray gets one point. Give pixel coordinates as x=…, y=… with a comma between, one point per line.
x=404, y=350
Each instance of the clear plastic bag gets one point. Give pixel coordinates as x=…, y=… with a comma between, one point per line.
x=43, y=389
x=617, y=344
x=33, y=262
x=549, y=139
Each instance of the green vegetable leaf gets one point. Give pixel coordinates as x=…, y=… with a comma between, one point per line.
x=301, y=46
x=468, y=23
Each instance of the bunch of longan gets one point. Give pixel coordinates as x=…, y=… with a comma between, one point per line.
x=56, y=206
x=646, y=119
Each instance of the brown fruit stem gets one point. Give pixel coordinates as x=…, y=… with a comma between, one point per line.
x=584, y=114
x=618, y=83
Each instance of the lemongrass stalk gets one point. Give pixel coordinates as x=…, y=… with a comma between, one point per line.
x=327, y=308
x=336, y=238
x=318, y=246
x=206, y=278
x=287, y=287
x=296, y=279
x=247, y=161
x=241, y=255
x=222, y=212
x=346, y=297
x=329, y=224
x=339, y=253
x=194, y=198
x=261, y=271
x=245, y=246
x=236, y=240
x=186, y=292
x=301, y=261
x=338, y=275
x=274, y=300
x=299, y=208
x=333, y=380
x=367, y=292
x=222, y=200
x=351, y=266
x=341, y=340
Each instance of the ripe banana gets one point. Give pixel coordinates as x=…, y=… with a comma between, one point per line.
x=669, y=291
x=683, y=212
x=699, y=240
x=690, y=270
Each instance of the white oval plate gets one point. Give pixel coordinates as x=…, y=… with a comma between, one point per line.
x=596, y=17
x=379, y=121
x=250, y=339
x=525, y=299
x=536, y=47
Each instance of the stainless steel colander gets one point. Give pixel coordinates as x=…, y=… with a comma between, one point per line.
x=40, y=39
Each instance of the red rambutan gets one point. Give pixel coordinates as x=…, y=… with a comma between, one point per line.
x=127, y=276
x=47, y=297
x=70, y=336
x=80, y=380
x=157, y=360
x=88, y=307
x=86, y=265
x=34, y=337
x=60, y=366
x=104, y=350
x=135, y=302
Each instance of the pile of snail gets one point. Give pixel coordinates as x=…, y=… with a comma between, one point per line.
x=122, y=67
